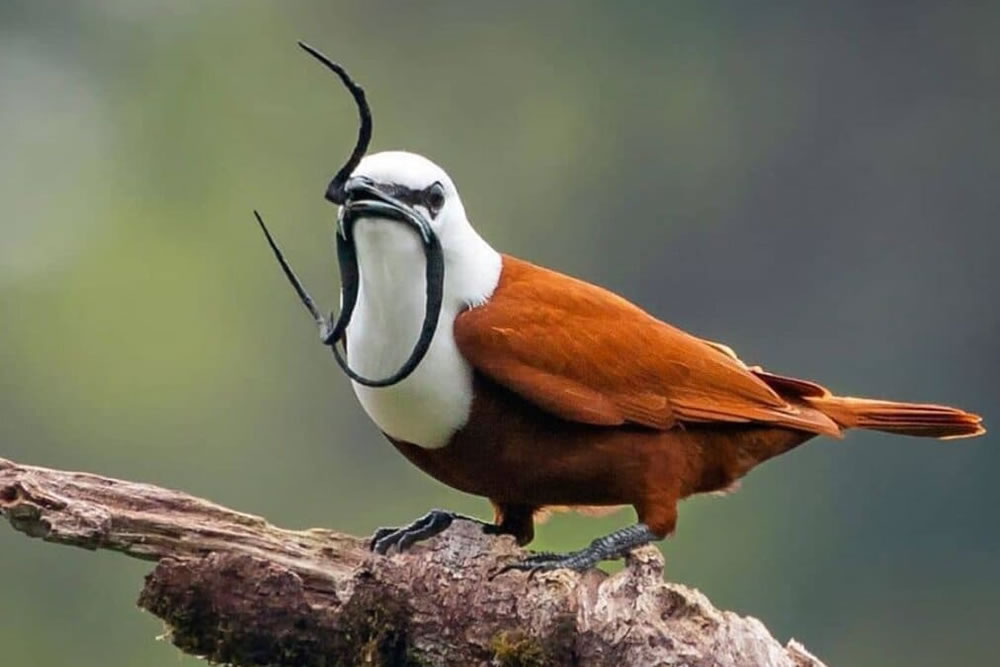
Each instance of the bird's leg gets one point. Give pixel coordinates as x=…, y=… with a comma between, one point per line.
x=613, y=546
x=434, y=522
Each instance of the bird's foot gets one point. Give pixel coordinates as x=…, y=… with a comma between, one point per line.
x=610, y=547
x=426, y=527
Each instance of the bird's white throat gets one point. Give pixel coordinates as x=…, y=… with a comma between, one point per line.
x=432, y=403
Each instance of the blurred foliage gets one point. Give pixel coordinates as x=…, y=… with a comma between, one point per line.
x=815, y=185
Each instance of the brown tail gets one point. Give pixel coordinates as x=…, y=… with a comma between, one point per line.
x=923, y=420
x=919, y=419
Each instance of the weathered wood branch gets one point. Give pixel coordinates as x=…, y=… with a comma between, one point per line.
x=235, y=589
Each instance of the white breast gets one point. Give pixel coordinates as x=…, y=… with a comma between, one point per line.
x=434, y=401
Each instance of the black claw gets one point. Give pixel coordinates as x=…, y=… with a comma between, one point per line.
x=541, y=557
x=613, y=546
x=378, y=535
x=427, y=526
x=437, y=523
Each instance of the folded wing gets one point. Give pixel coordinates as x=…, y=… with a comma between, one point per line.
x=587, y=355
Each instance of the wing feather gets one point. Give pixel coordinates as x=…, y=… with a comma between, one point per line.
x=587, y=355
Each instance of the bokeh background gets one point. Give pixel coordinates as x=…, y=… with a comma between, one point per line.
x=817, y=187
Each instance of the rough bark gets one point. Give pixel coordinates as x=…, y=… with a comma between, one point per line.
x=235, y=589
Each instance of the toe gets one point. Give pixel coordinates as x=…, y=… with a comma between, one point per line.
x=378, y=536
x=381, y=546
x=408, y=538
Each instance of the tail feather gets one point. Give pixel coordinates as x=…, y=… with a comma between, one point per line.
x=917, y=419
x=920, y=419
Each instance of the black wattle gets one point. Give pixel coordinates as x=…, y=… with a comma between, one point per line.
x=348, y=259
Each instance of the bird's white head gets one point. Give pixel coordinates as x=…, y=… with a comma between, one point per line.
x=434, y=401
x=389, y=250
x=415, y=181
x=403, y=231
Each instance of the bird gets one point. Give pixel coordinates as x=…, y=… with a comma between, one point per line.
x=535, y=389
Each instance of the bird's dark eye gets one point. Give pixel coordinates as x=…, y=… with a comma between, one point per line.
x=435, y=198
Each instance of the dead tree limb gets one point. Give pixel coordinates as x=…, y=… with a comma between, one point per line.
x=235, y=589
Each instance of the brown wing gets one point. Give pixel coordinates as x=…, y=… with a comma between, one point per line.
x=587, y=355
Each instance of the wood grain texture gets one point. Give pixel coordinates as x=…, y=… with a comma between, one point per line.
x=235, y=589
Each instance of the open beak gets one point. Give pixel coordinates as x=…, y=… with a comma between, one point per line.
x=365, y=200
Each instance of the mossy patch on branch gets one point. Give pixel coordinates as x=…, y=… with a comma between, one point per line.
x=517, y=649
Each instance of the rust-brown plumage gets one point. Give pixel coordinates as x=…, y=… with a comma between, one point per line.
x=582, y=398
x=577, y=397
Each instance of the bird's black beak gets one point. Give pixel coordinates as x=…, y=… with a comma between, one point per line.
x=363, y=199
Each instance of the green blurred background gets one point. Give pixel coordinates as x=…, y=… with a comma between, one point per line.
x=817, y=187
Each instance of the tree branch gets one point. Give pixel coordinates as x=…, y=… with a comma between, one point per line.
x=235, y=589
